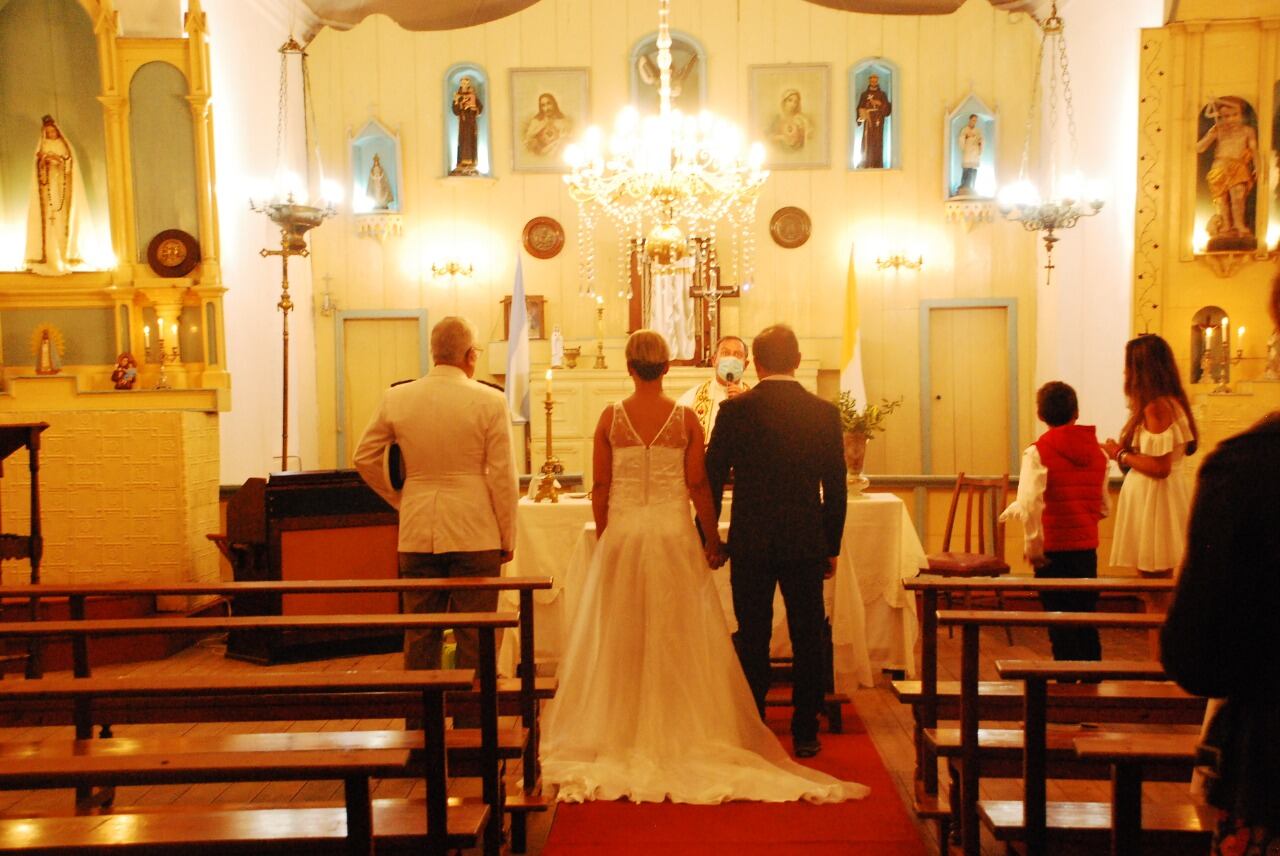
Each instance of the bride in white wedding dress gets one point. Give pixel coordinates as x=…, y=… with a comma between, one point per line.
x=652, y=703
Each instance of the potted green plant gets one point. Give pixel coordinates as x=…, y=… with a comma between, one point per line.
x=859, y=426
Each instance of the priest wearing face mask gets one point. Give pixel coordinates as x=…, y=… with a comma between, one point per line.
x=731, y=361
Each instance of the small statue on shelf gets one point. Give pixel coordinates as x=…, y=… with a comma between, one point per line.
x=125, y=374
x=47, y=347
x=467, y=107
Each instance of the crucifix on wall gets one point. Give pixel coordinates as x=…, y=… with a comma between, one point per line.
x=681, y=300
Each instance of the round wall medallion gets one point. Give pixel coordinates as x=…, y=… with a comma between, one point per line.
x=543, y=237
x=789, y=227
x=173, y=253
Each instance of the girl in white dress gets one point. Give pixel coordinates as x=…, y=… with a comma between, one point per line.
x=652, y=703
x=1155, y=500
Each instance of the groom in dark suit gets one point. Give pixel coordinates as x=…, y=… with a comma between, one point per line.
x=782, y=444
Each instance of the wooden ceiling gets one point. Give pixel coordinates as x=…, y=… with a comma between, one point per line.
x=455, y=14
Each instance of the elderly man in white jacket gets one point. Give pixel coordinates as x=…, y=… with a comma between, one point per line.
x=458, y=504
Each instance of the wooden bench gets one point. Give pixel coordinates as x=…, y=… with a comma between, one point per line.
x=1140, y=679
x=971, y=622
x=120, y=767
x=399, y=826
x=931, y=700
x=1131, y=762
x=486, y=623
x=519, y=696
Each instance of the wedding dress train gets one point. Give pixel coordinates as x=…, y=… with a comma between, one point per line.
x=652, y=703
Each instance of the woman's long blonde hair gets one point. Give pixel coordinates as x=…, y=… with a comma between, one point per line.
x=1150, y=373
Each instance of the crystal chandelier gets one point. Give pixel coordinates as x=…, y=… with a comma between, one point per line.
x=663, y=180
x=1070, y=196
x=287, y=203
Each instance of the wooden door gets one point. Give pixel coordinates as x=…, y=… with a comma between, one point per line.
x=969, y=389
x=377, y=352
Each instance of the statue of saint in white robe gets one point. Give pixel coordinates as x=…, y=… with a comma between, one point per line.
x=57, y=201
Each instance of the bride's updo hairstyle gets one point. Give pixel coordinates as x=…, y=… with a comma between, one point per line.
x=647, y=354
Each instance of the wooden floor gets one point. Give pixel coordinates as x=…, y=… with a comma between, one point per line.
x=888, y=723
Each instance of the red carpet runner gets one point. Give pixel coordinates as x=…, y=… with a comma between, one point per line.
x=876, y=825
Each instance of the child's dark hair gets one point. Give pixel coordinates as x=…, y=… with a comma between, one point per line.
x=1056, y=403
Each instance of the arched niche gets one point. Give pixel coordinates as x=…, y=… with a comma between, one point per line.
x=163, y=149
x=688, y=73
x=369, y=192
x=49, y=66
x=953, y=145
x=479, y=82
x=1210, y=346
x=890, y=81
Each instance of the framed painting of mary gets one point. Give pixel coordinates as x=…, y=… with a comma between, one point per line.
x=549, y=108
x=791, y=114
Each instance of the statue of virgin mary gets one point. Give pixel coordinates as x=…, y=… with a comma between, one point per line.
x=57, y=200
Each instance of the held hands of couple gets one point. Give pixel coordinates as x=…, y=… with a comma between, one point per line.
x=716, y=554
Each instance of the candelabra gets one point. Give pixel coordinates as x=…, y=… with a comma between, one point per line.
x=164, y=358
x=600, y=363
x=548, y=486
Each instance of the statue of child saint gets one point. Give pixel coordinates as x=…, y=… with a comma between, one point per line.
x=1233, y=174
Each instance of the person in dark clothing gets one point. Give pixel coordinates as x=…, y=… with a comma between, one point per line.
x=1062, y=494
x=1220, y=638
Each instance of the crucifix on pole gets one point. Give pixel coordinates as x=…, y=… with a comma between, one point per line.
x=708, y=291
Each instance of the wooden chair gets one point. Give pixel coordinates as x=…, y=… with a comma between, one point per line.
x=985, y=498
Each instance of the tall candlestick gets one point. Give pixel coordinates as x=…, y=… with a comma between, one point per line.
x=1208, y=337
x=548, y=384
x=146, y=336
x=600, y=363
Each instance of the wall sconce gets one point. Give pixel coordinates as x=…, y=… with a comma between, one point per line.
x=898, y=260
x=451, y=269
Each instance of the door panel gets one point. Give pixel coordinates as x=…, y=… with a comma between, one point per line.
x=969, y=383
x=377, y=352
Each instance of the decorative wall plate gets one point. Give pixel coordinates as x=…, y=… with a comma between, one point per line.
x=543, y=237
x=173, y=253
x=790, y=227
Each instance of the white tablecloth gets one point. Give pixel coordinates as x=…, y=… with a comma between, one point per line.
x=873, y=619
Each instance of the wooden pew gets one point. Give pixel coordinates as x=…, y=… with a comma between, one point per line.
x=520, y=696
x=971, y=622
x=486, y=623
x=120, y=768
x=1129, y=762
x=930, y=701
x=1036, y=675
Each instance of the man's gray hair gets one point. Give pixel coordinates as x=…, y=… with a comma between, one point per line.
x=451, y=339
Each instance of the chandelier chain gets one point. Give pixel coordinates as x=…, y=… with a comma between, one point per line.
x=1066, y=99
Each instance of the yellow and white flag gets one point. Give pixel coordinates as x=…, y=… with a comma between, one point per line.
x=851, y=355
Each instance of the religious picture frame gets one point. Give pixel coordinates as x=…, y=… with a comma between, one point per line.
x=549, y=108
x=969, y=145
x=377, y=170
x=790, y=111
x=535, y=311
x=688, y=73
x=875, y=115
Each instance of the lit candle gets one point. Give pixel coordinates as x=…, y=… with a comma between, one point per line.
x=1240, y=337
x=1208, y=334
x=146, y=335
x=600, y=317
x=548, y=384
x=174, y=330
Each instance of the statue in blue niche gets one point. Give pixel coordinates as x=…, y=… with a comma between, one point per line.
x=467, y=107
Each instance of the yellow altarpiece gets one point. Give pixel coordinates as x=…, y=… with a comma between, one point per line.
x=129, y=478
x=1199, y=56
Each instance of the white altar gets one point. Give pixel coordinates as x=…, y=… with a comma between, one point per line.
x=581, y=395
x=873, y=619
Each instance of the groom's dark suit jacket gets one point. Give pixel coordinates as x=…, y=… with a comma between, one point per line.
x=784, y=448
